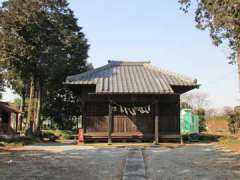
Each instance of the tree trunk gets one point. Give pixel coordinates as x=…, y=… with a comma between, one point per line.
x=38, y=111
x=29, y=112
x=22, y=110
x=34, y=108
x=20, y=114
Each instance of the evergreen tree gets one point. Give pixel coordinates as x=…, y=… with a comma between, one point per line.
x=41, y=42
x=222, y=18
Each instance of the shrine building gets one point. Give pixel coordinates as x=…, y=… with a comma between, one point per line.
x=129, y=101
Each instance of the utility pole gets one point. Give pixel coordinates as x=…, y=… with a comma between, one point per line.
x=238, y=66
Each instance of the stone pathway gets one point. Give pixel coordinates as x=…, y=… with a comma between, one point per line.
x=134, y=167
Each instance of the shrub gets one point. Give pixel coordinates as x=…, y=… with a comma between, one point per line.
x=202, y=120
x=53, y=135
x=232, y=122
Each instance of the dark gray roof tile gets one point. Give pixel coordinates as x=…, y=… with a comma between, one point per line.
x=131, y=77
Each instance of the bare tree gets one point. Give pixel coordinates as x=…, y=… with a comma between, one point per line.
x=227, y=109
x=196, y=100
x=211, y=112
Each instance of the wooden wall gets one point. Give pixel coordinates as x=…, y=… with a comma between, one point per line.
x=5, y=122
x=138, y=124
x=96, y=119
x=133, y=124
x=169, y=118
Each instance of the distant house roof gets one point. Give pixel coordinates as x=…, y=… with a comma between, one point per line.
x=8, y=107
x=129, y=77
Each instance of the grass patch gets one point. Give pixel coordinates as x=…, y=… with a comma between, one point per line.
x=229, y=140
x=16, y=141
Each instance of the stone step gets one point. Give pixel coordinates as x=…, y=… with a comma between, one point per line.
x=134, y=167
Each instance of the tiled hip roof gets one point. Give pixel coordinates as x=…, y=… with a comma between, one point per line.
x=131, y=78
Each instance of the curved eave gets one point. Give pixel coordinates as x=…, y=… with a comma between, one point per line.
x=180, y=89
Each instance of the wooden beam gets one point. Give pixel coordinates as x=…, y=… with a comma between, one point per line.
x=156, y=123
x=126, y=97
x=110, y=122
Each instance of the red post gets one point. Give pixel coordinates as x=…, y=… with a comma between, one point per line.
x=80, y=135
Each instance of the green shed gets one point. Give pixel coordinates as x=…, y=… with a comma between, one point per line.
x=189, y=123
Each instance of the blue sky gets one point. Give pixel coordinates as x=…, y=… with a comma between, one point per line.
x=159, y=32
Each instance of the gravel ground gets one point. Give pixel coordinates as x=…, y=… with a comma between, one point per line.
x=69, y=162
x=90, y=164
x=197, y=162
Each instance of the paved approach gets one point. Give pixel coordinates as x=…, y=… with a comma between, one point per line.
x=194, y=162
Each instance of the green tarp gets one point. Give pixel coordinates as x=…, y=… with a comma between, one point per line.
x=189, y=122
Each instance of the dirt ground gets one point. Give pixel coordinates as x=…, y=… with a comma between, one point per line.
x=70, y=162
x=219, y=127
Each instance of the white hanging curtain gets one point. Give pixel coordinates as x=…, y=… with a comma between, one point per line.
x=133, y=110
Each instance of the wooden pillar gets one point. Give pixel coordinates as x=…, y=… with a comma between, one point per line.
x=83, y=109
x=9, y=122
x=110, y=122
x=179, y=120
x=16, y=122
x=20, y=121
x=83, y=113
x=156, y=123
